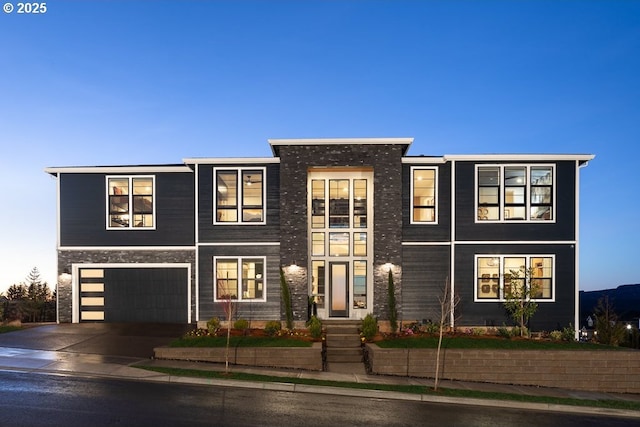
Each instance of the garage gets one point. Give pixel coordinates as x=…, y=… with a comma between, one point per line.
x=134, y=295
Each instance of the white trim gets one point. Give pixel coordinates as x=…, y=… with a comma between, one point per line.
x=239, y=196
x=423, y=160
x=519, y=157
x=435, y=195
x=528, y=258
x=427, y=243
x=126, y=248
x=117, y=169
x=340, y=141
x=502, y=199
x=240, y=259
x=197, y=238
x=576, y=254
x=75, y=283
x=239, y=244
x=130, y=196
x=230, y=160
x=516, y=242
x=452, y=252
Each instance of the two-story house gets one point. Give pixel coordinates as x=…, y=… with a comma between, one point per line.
x=171, y=243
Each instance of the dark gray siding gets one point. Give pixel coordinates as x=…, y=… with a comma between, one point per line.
x=550, y=315
x=425, y=271
x=427, y=232
x=149, y=295
x=270, y=232
x=83, y=210
x=248, y=310
x=562, y=229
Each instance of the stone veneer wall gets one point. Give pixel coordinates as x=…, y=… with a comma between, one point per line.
x=67, y=258
x=386, y=161
x=614, y=371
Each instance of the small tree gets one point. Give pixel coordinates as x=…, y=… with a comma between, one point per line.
x=228, y=305
x=393, y=310
x=520, y=291
x=286, y=299
x=609, y=330
x=448, y=303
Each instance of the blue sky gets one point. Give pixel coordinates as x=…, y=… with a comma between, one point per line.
x=148, y=82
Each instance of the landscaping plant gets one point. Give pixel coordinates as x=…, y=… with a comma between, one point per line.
x=286, y=299
x=393, y=310
x=519, y=300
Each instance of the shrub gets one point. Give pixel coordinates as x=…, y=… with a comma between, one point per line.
x=369, y=327
x=393, y=310
x=272, y=327
x=555, y=335
x=431, y=328
x=569, y=333
x=241, y=324
x=213, y=325
x=315, y=327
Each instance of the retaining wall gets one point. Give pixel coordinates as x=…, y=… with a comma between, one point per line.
x=308, y=358
x=599, y=370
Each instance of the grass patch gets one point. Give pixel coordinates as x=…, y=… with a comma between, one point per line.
x=6, y=328
x=413, y=389
x=239, y=341
x=493, y=343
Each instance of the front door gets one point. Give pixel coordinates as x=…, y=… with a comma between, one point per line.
x=338, y=289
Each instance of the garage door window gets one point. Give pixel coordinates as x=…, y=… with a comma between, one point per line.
x=239, y=279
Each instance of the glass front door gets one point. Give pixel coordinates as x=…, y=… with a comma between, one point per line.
x=338, y=289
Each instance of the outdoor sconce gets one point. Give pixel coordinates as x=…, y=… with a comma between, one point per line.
x=65, y=278
x=388, y=266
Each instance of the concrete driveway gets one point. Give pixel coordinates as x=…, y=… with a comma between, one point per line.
x=106, y=339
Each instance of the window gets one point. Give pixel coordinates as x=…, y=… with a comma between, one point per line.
x=239, y=279
x=131, y=202
x=515, y=193
x=494, y=281
x=360, y=284
x=423, y=200
x=240, y=195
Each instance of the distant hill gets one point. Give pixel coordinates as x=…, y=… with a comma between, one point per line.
x=625, y=300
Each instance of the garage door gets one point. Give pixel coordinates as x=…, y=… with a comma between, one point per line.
x=140, y=295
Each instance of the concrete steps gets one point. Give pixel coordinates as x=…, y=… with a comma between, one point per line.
x=343, y=344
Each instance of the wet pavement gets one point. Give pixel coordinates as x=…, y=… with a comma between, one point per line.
x=115, y=350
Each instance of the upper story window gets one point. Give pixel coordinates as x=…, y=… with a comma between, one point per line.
x=240, y=196
x=515, y=193
x=423, y=195
x=495, y=275
x=131, y=202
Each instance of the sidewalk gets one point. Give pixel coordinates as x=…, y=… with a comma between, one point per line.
x=67, y=363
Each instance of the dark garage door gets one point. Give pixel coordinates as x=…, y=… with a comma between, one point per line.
x=146, y=295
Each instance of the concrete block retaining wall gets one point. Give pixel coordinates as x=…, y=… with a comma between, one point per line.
x=307, y=358
x=598, y=370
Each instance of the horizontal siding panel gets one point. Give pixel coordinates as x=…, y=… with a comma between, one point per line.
x=83, y=210
x=209, y=233
x=424, y=274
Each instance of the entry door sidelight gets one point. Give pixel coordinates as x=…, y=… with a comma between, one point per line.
x=339, y=289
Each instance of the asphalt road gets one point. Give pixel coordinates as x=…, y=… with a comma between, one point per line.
x=36, y=400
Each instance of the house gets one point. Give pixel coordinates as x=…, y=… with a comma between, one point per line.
x=171, y=243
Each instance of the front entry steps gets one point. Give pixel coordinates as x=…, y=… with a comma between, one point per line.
x=343, y=347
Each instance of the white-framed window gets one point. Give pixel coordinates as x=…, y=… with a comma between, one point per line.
x=424, y=189
x=240, y=196
x=130, y=202
x=493, y=276
x=239, y=278
x=508, y=193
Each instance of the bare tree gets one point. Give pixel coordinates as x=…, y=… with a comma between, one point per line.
x=228, y=306
x=448, y=303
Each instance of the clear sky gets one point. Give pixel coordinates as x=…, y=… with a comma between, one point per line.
x=148, y=82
